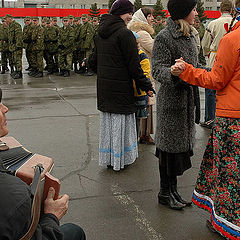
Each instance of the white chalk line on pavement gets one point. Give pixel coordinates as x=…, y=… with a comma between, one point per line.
x=138, y=214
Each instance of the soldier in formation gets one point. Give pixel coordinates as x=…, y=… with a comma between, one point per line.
x=15, y=44
x=37, y=47
x=60, y=47
x=6, y=56
x=66, y=41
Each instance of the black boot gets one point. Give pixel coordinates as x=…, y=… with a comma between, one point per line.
x=165, y=196
x=3, y=70
x=173, y=187
x=88, y=73
x=75, y=68
x=38, y=75
x=33, y=72
x=6, y=69
x=12, y=74
x=12, y=69
x=61, y=73
x=18, y=75
x=66, y=73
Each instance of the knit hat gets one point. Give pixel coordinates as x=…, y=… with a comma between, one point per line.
x=179, y=9
x=121, y=7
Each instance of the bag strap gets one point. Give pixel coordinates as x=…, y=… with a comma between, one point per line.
x=36, y=205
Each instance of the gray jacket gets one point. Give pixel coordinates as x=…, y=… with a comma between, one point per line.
x=178, y=103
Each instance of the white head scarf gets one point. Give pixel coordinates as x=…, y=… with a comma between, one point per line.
x=138, y=16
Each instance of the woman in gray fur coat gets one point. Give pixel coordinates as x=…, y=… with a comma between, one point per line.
x=178, y=104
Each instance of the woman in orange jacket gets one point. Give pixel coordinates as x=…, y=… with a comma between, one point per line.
x=218, y=184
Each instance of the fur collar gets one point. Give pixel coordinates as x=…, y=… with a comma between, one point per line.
x=141, y=26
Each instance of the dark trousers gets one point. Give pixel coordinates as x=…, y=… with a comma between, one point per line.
x=210, y=104
x=72, y=232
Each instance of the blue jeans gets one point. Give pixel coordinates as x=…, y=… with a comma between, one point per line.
x=210, y=104
x=72, y=232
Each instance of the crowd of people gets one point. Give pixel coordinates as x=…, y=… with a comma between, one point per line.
x=49, y=46
x=129, y=57
x=60, y=48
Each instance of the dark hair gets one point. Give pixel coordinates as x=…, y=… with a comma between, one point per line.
x=146, y=11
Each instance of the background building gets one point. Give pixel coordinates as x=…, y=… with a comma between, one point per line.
x=209, y=5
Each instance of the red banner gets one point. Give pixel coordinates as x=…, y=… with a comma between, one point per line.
x=45, y=12
x=60, y=12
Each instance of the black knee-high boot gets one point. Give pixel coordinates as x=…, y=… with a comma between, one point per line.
x=165, y=195
x=173, y=187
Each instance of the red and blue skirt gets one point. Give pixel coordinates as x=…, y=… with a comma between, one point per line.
x=218, y=184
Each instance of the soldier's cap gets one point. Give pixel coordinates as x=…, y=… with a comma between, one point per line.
x=9, y=16
x=45, y=19
x=65, y=18
x=77, y=18
x=35, y=18
x=95, y=19
x=54, y=18
x=158, y=18
x=70, y=17
x=84, y=16
x=27, y=18
x=48, y=21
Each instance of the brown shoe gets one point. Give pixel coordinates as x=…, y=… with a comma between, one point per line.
x=146, y=140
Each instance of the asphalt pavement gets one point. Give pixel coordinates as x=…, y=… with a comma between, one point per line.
x=57, y=117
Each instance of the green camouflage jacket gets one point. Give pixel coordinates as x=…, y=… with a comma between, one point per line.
x=51, y=39
x=14, y=36
x=3, y=38
x=78, y=36
x=27, y=35
x=66, y=40
x=37, y=38
x=87, y=36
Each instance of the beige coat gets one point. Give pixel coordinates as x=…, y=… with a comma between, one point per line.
x=213, y=34
x=144, y=30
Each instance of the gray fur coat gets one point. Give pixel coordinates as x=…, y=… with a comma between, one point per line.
x=178, y=103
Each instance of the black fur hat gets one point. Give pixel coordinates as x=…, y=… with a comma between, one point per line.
x=179, y=9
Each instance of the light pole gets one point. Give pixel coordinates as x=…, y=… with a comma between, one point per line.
x=2, y=3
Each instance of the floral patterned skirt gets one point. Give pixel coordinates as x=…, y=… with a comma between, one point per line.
x=218, y=184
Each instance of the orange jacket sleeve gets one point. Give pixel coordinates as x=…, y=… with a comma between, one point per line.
x=226, y=62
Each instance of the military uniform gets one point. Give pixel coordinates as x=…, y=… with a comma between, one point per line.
x=77, y=54
x=51, y=47
x=4, y=48
x=15, y=46
x=54, y=22
x=66, y=42
x=37, y=48
x=87, y=42
x=27, y=39
x=95, y=26
x=87, y=38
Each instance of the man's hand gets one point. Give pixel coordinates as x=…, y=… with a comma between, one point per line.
x=57, y=207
